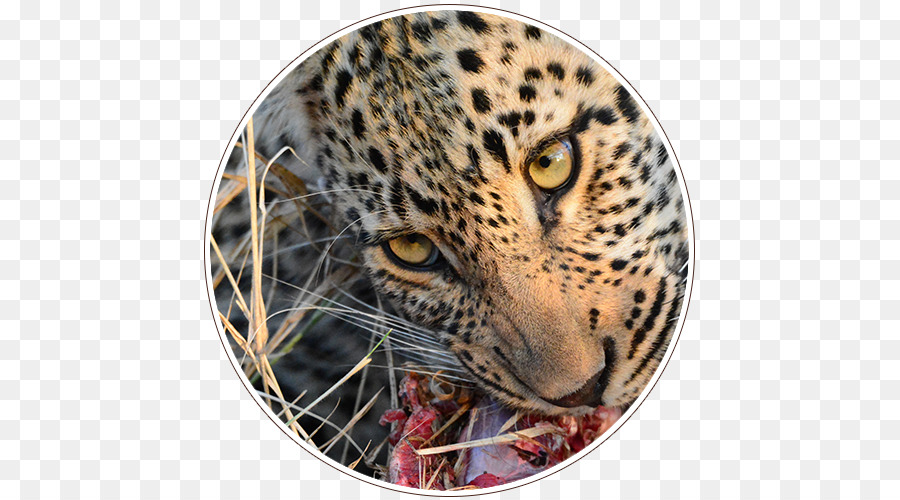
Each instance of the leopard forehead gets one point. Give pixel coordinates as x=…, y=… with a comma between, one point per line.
x=437, y=106
x=424, y=123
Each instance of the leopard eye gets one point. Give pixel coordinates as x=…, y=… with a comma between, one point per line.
x=553, y=167
x=414, y=249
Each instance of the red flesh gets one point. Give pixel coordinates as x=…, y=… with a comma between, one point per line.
x=484, y=466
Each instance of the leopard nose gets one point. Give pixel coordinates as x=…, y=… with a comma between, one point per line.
x=589, y=394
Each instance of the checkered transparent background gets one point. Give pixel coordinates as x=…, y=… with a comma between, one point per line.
x=785, y=383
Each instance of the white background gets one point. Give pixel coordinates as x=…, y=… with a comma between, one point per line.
x=785, y=120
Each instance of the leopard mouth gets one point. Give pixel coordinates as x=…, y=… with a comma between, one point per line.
x=503, y=463
x=494, y=443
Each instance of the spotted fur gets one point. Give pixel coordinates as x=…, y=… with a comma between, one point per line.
x=425, y=123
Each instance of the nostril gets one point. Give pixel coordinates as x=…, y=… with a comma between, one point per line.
x=588, y=395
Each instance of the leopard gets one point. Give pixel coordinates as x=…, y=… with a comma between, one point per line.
x=507, y=195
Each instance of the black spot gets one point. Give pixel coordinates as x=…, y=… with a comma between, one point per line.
x=480, y=100
x=661, y=155
x=626, y=104
x=621, y=150
x=376, y=55
x=611, y=357
x=353, y=56
x=476, y=198
x=635, y=312
x=470, y=124
x=662, y=338
x=645, y=173
x=620, y=230
x=314, y=84
x=359, y=179
x=556, y=70
x=533, y=74
x=421, y=31
x=351, y=215
x=533, y=33
x=499, y=352
x=650, y=320
x=473, y=21
x=470, y=60
x=438, y=24
x=618, y=264
x=328, y=58
x=582, y=121
x=511, y=120
x=421, y=63
x=662, y=199
x=358, y=127
x=605, y=115
x=371, y=31
x=343, y=83
x=377, y=160
x=527, y=93
x=427, y=205
x=493, y=142
x=528, y=117
x=585, y=76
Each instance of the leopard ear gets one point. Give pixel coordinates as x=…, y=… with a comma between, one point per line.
x=289, y=116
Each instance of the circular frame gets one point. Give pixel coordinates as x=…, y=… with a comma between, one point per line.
x=644, y=107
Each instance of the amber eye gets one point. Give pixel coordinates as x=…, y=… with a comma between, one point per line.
x=553, y=167
x=414, y=249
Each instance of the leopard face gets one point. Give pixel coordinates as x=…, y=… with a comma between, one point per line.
x=506, y=193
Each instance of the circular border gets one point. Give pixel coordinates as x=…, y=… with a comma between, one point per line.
x=644, y=107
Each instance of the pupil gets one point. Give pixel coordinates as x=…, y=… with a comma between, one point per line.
x=544, y=161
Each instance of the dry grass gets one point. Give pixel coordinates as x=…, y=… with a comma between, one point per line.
x=263, y=342
x=262, y=336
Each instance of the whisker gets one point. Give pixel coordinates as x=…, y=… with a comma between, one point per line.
x=396, y=317
x=433, y=371
x=331, y=245
x=303, y=245
x=395, y=321
x=400, y=335
x=327, y=191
